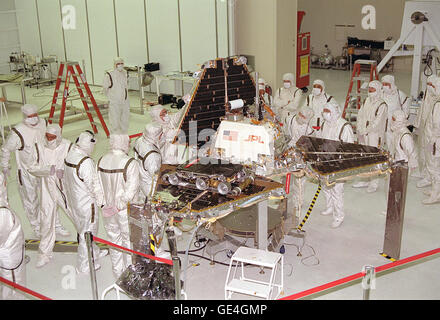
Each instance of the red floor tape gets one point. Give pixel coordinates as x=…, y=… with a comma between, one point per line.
x=360, y=275
x=26, y=290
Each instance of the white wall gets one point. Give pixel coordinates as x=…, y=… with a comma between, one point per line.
x=102, y=30
x=77, y=40
x=193, y=15
x=9, y=38
x=222, y=28
x=163, y=38
x=179, y=34
x=330, y=13
x=27, y=22
x=133, y=48
x=51, y=31
x=266, y=30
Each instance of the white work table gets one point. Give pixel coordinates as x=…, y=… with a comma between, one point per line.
x=172, y=77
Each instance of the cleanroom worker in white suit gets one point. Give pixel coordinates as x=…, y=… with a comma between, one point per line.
x=147, y=153
x=432, y=147
x=266, y=97
x=12, y=251
x=420, y=123
x=119, y=176
x=49, y=166
x=402, y=145
x=336, y=128
x=115, y=87
x=85, y=195
x=170, y=127
x=396, y=100
x=316, y=100
x=371, y=125
x=287, y=99
x=299, y=125
x=22, y=140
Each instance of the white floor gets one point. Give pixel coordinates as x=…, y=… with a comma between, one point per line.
x=329, y=254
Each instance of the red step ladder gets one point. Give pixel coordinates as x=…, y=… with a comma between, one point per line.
x=360, y=79
x=73, y=70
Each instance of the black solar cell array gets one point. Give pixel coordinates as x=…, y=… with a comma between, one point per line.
x=208, y=103
x=329, y=156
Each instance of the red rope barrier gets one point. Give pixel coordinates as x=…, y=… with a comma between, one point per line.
x=135, y=135
x=26, y=290
x=192, y=163
x=360, y=275
x=324, y=286
x=167, y=261
x=407, y=260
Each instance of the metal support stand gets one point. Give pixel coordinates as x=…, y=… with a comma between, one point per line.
x=366, y=282
x=89, y=239
x=262, y=225
x=395, y=210
x=141, y=91
x=23, y=91
x=298, y=234
x=293, y=184
x=3, y=118
x=176, y=261
x=420, y=32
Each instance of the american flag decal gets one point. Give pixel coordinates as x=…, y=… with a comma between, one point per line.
x=230, y=135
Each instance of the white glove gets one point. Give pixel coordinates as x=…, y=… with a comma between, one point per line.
x=60, y=173
x=108, y=211
x=6, y=172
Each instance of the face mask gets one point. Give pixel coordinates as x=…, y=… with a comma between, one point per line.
x=316, y=91
x=287, y=85
x=327, y=116
x=32, y=121
x=301, y=120
x=89, y=149
x=431, y=89
x=120, y=67
x=387, y=90
x=52, y=144
x=372, y=94
x=394, y=126
x=166, y=118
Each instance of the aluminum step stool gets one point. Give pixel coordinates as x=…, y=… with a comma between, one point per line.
x=243, y=285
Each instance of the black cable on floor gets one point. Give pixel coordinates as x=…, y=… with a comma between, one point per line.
x=305, y=258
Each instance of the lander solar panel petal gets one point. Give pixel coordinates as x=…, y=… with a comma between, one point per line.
x=327, y=157
x=208, y=101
